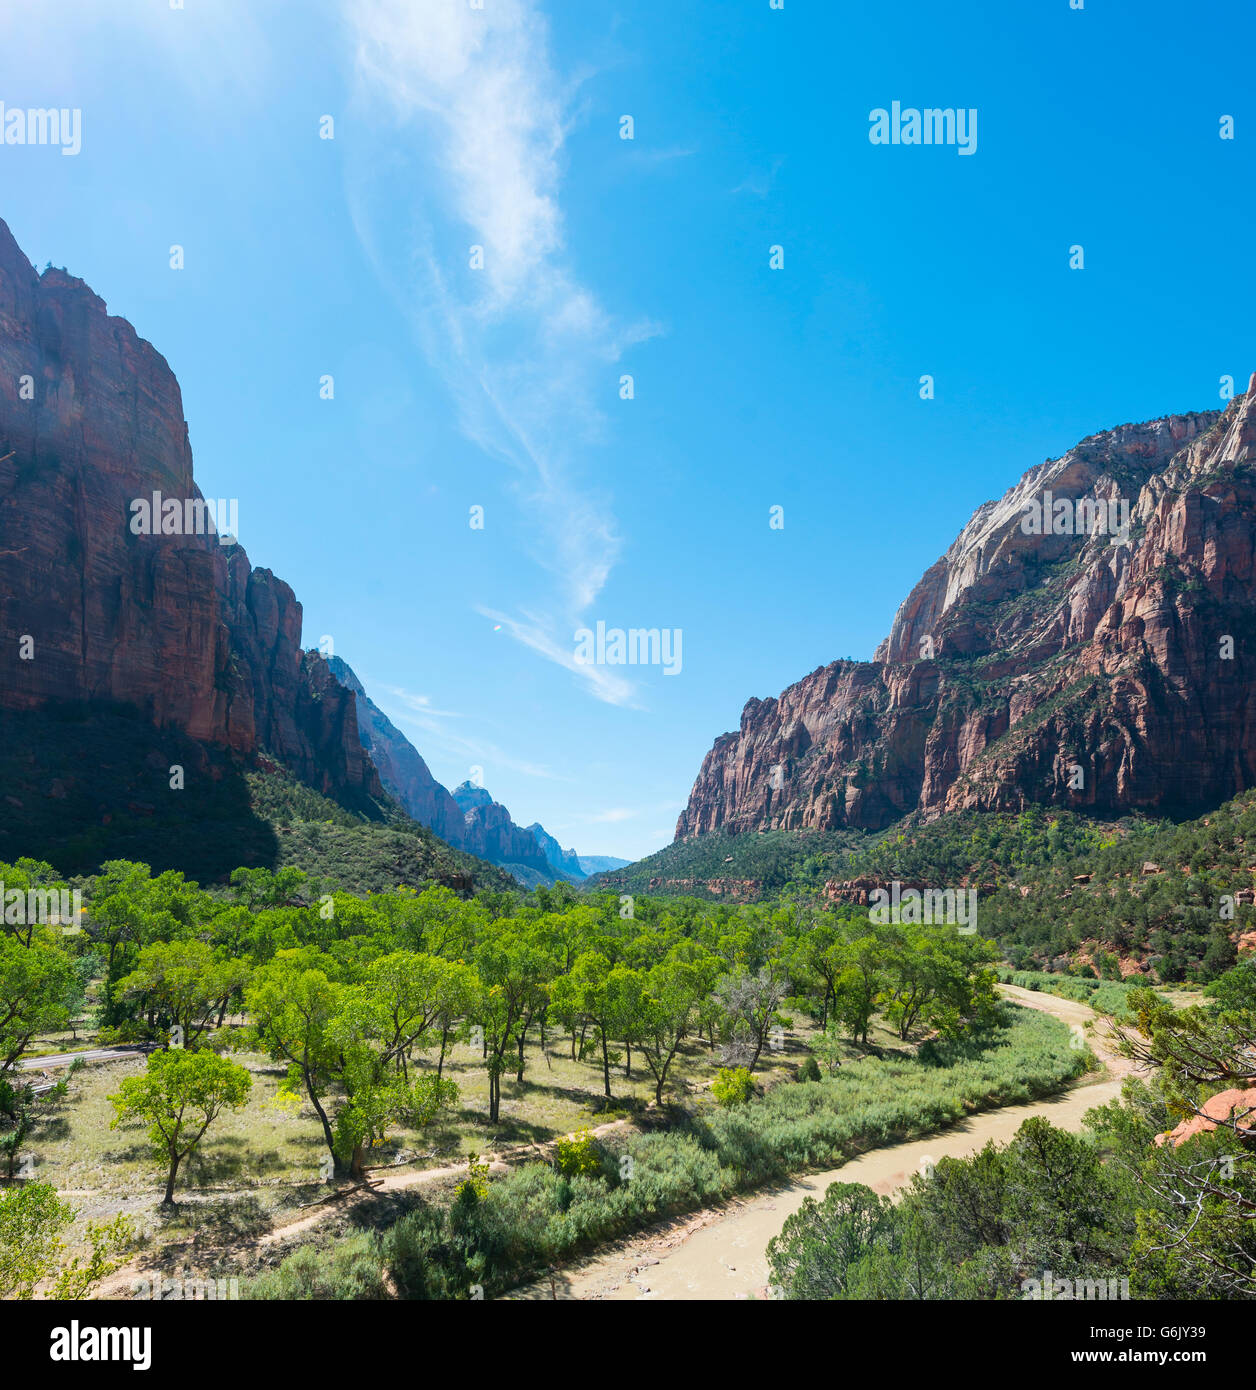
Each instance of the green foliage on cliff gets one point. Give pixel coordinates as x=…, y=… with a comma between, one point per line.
x=83, y=787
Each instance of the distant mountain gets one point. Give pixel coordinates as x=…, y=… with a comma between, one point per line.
x=467, y=818
x=601, y=863
x=401, y=769
x=565, y=861
x=492, y=835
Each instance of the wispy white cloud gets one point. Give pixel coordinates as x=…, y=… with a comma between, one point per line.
x=525, y=348
x=605, y=684
x=759, y=182
x=406, y=707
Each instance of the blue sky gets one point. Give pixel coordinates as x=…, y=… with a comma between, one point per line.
x=754, y=388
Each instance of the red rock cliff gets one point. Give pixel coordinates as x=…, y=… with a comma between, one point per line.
x=180, y=626
x=1057, y=668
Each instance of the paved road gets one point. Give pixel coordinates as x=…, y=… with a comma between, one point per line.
x=93, y=1054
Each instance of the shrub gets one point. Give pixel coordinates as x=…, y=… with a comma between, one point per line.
x=353, y=1269
x=732, y=1086
x=810, y=1070
x=475, y=1186
x=578, y=1156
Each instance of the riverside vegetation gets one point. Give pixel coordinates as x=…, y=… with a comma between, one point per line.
x=357, y=1026
x=306, y=1038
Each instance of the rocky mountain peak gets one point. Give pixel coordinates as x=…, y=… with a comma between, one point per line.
x=1087, y=640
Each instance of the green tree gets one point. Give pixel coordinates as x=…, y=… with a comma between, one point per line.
x=513, y=973
x=291, y=1006
x=182, y=984
x=180, y=1095
x=33, y=1219
x=812, y=1255
x=672, y=992
x=35, y=983
x=586, y=997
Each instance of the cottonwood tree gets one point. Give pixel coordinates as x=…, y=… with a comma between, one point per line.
x=36, y=980
x=514, y=973
x=588, y=997
x=131, y=909
x=672, y=991
x=343, y=1044
x=180, y=1095
x=183, y=984
x=366, y=1045
x=291, y=1005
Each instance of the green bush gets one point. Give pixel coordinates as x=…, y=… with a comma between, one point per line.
x=578, y=1156
x=352, y=1269
x=732, y=1086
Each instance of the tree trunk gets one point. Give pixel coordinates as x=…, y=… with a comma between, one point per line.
x=606, y=1066
x=328, y=1137
x=168, y=1200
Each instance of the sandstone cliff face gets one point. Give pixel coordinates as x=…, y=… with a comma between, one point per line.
x=401, y=768
x=179, y=626
x=1055, y=668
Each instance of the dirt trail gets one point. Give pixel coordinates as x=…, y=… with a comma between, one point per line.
x=118, y=1284
x=722, y=1253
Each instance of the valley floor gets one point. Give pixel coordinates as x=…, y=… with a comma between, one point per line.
x=722, y=1253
